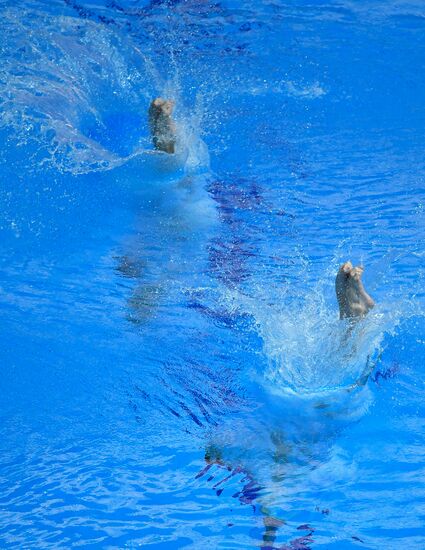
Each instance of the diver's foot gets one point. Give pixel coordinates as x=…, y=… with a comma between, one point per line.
x=162, y=125
x=353, y=300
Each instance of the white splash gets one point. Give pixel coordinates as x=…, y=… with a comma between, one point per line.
x=311, y=91
x=307, y=348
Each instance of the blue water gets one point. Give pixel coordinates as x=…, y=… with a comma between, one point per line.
x=174, y=372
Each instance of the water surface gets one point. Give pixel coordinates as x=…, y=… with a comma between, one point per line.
x=174, y=373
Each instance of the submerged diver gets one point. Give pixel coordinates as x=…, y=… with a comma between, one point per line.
x=162, y=126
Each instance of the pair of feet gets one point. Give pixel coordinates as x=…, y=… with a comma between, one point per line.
x=162, y=126
x=353, y=300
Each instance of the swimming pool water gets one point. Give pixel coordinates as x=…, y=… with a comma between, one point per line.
x=173, y=368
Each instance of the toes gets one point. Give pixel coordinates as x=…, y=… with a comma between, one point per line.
x=346, y=267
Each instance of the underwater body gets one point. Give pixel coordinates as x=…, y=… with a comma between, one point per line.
x=174, y=370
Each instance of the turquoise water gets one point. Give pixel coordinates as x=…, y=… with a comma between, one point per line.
x=174, y=372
